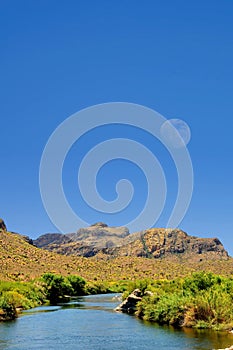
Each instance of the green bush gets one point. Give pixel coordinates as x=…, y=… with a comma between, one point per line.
x=58, y=288
x=7, y=310
x=77, y=284
x=20, y=295
x=55, y=287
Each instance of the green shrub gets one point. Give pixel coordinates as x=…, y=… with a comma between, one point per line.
x=7, y=310
x=22, y=295
x=77, y=284
x=56, y=287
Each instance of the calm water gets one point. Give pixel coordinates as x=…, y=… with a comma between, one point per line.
x=91, y=323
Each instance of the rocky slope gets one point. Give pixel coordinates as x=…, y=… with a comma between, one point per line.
x=160, y=242
x=100, y=240
x=85, y=242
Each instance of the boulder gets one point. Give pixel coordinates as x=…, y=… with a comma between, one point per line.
x=129, y=304
x=148, y=293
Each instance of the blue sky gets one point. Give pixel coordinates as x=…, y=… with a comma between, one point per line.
x=58, y=57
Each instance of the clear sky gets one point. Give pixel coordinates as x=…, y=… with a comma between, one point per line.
x=58, y=57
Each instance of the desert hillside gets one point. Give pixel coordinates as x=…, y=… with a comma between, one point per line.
x=20, y=260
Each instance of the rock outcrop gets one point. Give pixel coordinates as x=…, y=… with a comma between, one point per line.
x=100, y=234
x=160, y=242
x=85, y=242
x=48, y=238
x=2, y=225
x=129, y=304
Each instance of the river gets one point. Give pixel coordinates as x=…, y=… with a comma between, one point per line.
x=90, y=323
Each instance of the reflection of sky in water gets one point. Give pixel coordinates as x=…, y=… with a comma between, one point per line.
x=90, y=323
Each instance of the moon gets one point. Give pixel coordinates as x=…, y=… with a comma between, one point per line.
x=175, y=132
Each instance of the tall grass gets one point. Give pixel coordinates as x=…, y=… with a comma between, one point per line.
x=203, y=300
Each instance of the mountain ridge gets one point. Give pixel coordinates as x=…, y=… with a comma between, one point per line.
x=100, y=240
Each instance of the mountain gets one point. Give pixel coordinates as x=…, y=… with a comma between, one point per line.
x=164, y=243
x=100, y=240
x=85, y=242
x=22, y=261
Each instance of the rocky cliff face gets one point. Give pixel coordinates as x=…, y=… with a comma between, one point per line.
x=49, y=238
x=104, y=241
x=85, y=242
x=160, y=242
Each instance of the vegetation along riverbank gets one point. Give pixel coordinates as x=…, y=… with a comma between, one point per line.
x=49, y=289
x=202, y=300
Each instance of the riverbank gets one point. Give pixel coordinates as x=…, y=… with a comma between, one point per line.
x=202, y=301
x=89, y=322
x=50, y=289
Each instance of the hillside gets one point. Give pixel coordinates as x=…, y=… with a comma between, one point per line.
x=20, y=260
x=100, y=240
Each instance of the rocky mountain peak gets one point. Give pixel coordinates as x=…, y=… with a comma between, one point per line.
x=99, y=224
